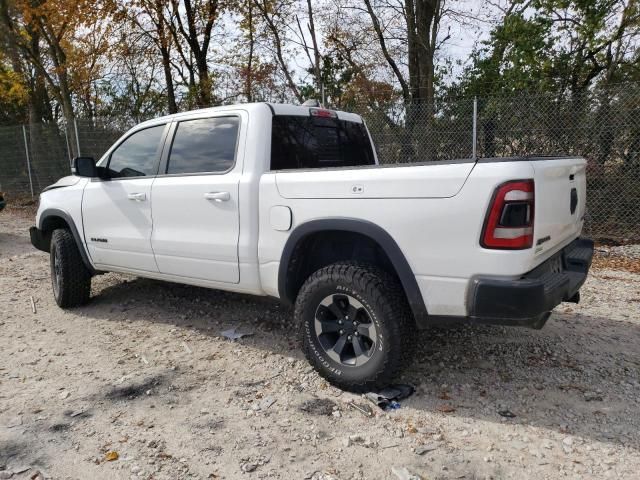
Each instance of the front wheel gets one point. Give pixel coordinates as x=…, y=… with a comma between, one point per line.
x=70, y=278
x=357, y=329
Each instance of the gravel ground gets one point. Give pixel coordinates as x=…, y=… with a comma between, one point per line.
x=140, y=384
x=627, y=252
x=630, y=251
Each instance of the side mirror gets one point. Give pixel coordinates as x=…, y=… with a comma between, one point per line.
x=85, y=167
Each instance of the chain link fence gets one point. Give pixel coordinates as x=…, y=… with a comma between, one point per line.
x=420, y=132
x=603, y=126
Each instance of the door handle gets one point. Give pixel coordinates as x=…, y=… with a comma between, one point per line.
x=137, y=196
x=217, y=196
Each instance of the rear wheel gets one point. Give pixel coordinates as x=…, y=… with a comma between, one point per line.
x=70, y=278
x=357, y=329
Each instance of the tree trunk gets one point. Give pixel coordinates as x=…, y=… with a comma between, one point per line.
x=422, y=17
x=412, y=49
x=165, y=53
x=166, y=67
x=263, y=8
x=39, y=105
x=248, y=86
x=204, y=82
x=317, y=58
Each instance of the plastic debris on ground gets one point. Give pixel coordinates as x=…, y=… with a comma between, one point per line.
x=389, y=398
x=402, y=473
x=364, y=409
x=234, y=334
x=422, y=449
x=267, y=402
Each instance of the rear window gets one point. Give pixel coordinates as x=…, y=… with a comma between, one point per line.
x=318, y=142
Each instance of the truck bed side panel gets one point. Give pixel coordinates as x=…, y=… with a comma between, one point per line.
x=439, y=180
x=438, y=236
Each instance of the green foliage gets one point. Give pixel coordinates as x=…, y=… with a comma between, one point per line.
x=130, y=101
x=13, y=96
x=336, y=76
x=561, y=46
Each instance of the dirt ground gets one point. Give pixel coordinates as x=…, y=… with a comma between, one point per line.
x=140, y=384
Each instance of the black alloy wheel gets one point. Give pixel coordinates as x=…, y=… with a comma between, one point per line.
x=345, y=330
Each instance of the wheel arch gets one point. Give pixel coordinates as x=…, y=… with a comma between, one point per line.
x=289, y=282
x=53, y=218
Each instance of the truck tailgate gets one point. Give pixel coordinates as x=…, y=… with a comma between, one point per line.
x=560, y=193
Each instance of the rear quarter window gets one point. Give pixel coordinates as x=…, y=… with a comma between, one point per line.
x=299, y=142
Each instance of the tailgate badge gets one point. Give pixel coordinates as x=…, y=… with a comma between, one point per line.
x=543, y=240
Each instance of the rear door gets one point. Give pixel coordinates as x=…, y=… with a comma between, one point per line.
x=561, y=193
x=196, y=221
x=116, y=212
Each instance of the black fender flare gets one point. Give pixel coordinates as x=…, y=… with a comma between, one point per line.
x=55, y=212
x=368, y=229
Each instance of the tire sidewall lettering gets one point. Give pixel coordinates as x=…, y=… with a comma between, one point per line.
x=326, y=363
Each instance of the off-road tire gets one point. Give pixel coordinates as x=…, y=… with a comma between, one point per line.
x=70, y=278
x=384, y=301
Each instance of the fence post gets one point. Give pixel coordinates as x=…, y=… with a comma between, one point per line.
x=475, y=127
x=75, y=126
x=66, y=138
x=26, y=150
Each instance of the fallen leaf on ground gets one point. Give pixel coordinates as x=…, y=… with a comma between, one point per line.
x=446, y=408
x=111, y=456
x=616, y=263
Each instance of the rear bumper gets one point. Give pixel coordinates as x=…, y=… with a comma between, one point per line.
x=527, y=301
x=39, y=240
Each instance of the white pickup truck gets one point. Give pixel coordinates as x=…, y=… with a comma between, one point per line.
x=290, y=201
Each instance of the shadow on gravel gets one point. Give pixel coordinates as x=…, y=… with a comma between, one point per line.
x=12, y=244
x=132, y=391
x=17, y=453
x=578, y=376
x=60, y=427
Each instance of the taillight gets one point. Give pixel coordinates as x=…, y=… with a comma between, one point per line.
x=509, y=222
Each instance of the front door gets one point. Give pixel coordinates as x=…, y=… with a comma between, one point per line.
x=196, y=222
x=116, y=212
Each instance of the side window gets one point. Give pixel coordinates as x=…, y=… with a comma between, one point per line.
x=204, y=145
x=137, y=155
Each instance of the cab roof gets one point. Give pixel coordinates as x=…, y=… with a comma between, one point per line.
x=276, y=109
